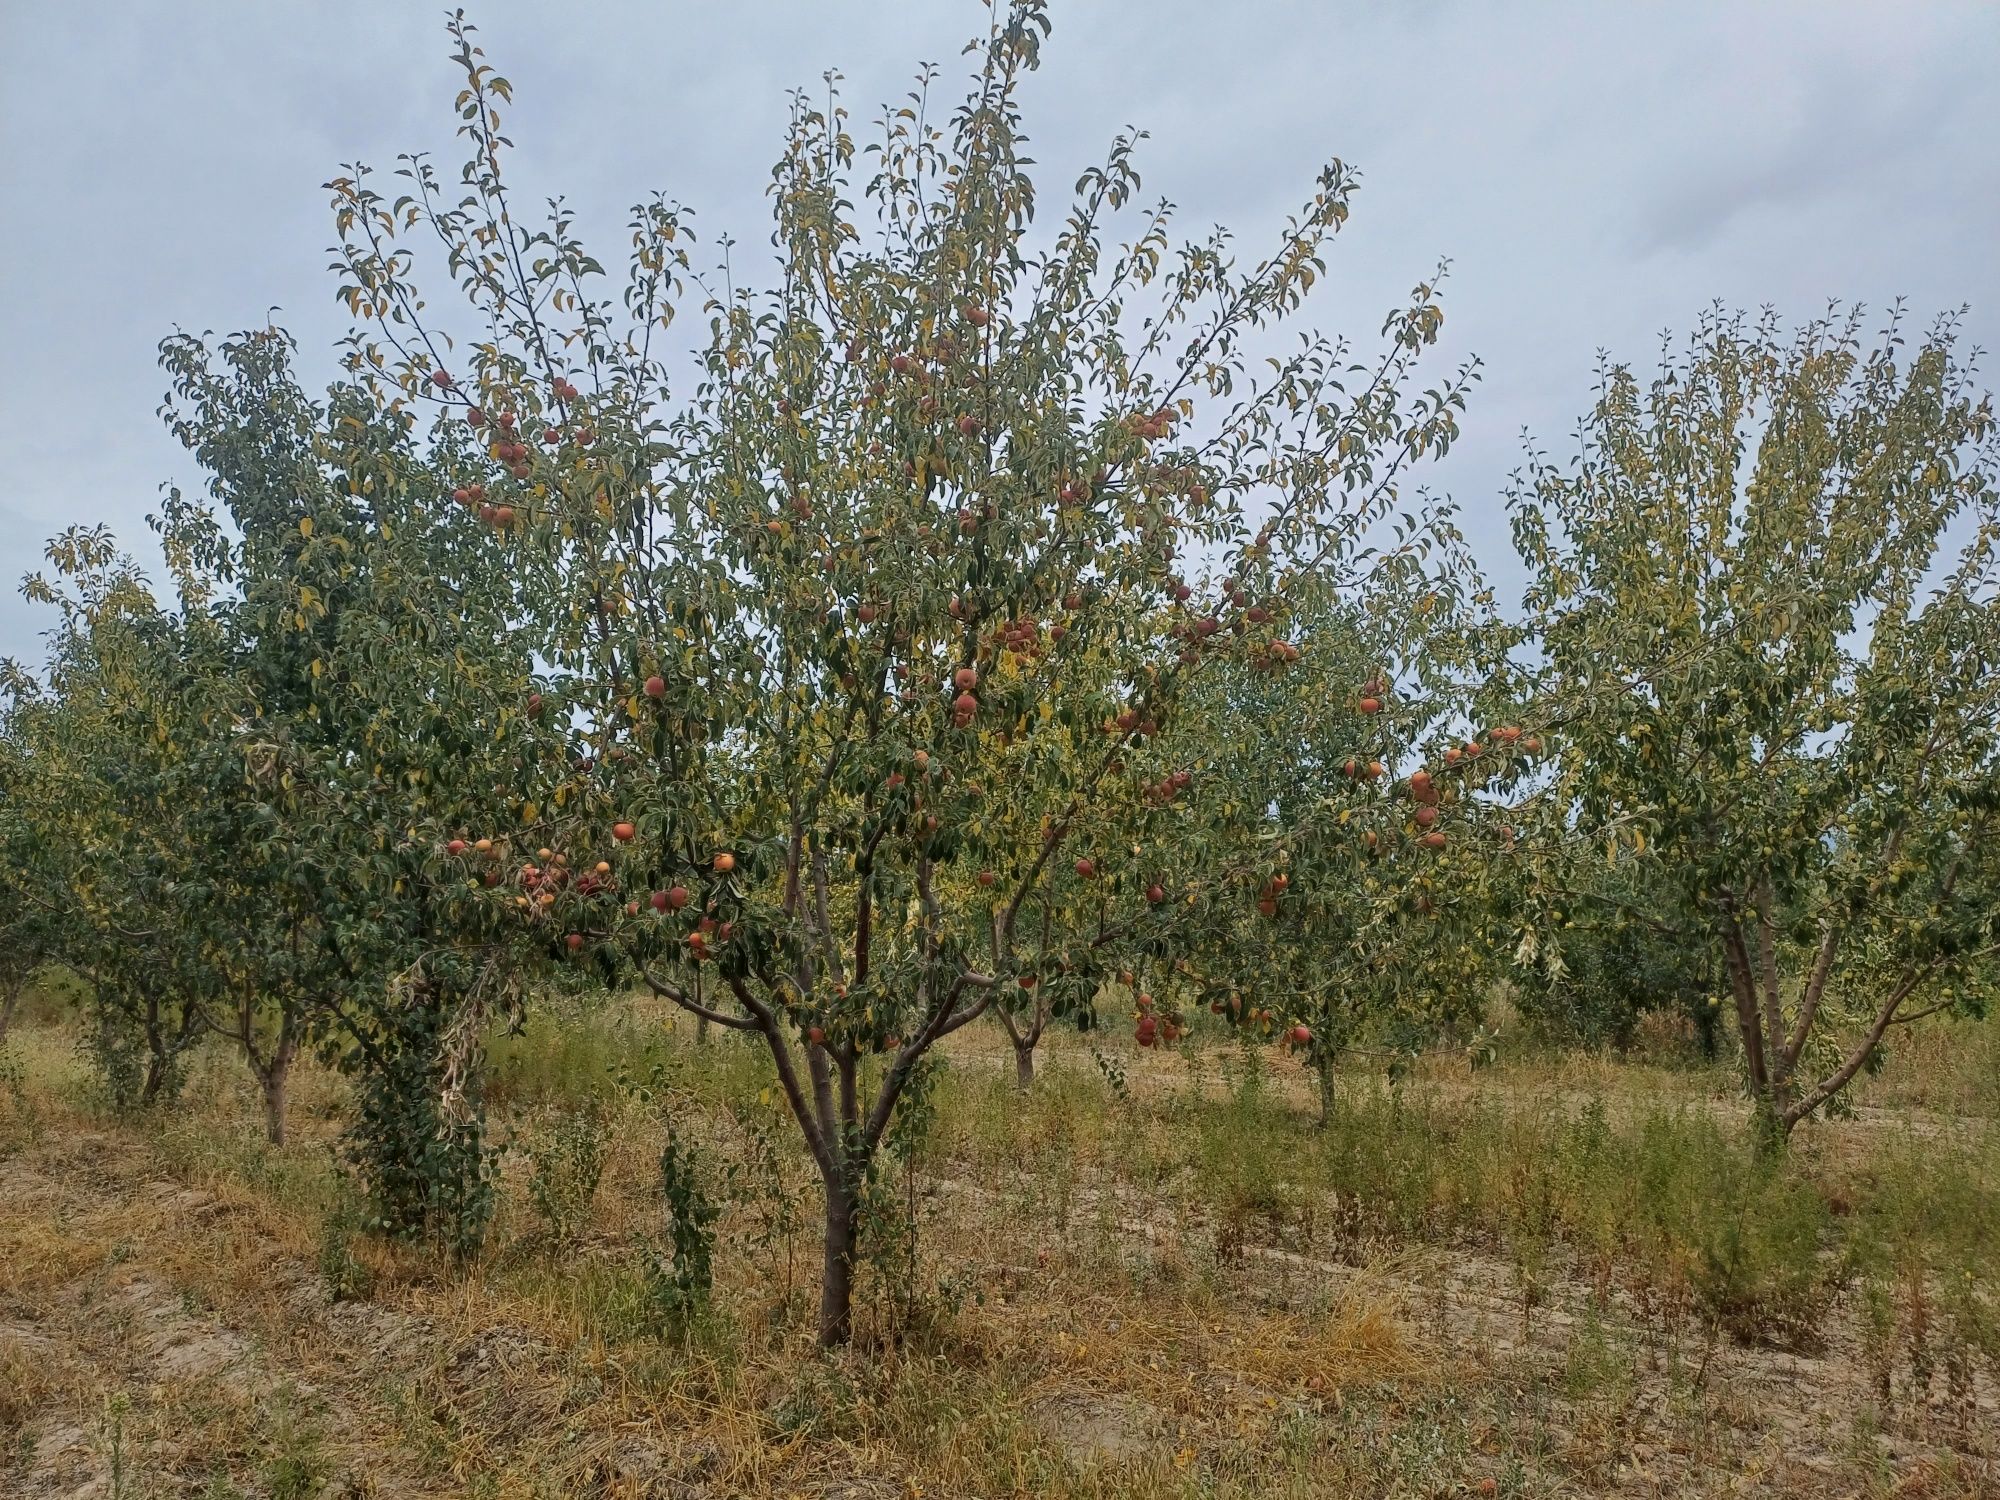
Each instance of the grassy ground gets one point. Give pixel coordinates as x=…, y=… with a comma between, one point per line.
x=1152, y=1277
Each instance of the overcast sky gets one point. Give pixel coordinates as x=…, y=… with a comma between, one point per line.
x=1596, y=172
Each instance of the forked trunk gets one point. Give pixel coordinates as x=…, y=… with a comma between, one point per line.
x=836, y=1287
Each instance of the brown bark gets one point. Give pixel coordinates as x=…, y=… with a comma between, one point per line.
x=1324, y=1068
x=275, y=1084
x=1024, y=1064
x=836, y=1287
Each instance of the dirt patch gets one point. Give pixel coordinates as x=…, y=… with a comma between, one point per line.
x=1092, y=1428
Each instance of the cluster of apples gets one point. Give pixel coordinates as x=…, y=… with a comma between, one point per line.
x=1423, y=787
x=1295, y=1035
x=1075, y=491
x=1023, y=638
x=1151, y=1030
x=504, y=447
x=1244, y=616
x=1130, y=721
x=1267, y=898
x=964, y=707
x=1169, y=479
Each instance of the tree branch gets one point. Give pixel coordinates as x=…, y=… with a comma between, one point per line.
x=668, y=990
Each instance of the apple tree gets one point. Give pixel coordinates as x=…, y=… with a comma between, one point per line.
x=101, y=752
x=1360, y=878
x=1766, y=598
x=32, y=933
x=907, y=583
x=390, y=743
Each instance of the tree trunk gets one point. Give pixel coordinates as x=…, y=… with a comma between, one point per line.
x=1770, y=1126
x=1024, y=1063
x=274, y=1081
x=158, y=1060
x=274, y=1075
x=836, y=1287
x=1324, y=1068
x=8, y=1000
x=156, y=1076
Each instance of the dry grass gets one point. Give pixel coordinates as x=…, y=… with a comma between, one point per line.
x=1167, y=1298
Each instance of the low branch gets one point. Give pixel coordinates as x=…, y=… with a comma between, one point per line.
x=1884, y=1019
x=667, y=990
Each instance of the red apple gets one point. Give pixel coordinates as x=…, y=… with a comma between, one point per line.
x=623, y=832
x=656, y=686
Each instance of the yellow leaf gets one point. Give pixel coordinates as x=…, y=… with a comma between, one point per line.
x=529, y=812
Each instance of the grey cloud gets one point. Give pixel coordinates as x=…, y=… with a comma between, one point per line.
x=1597, y=172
